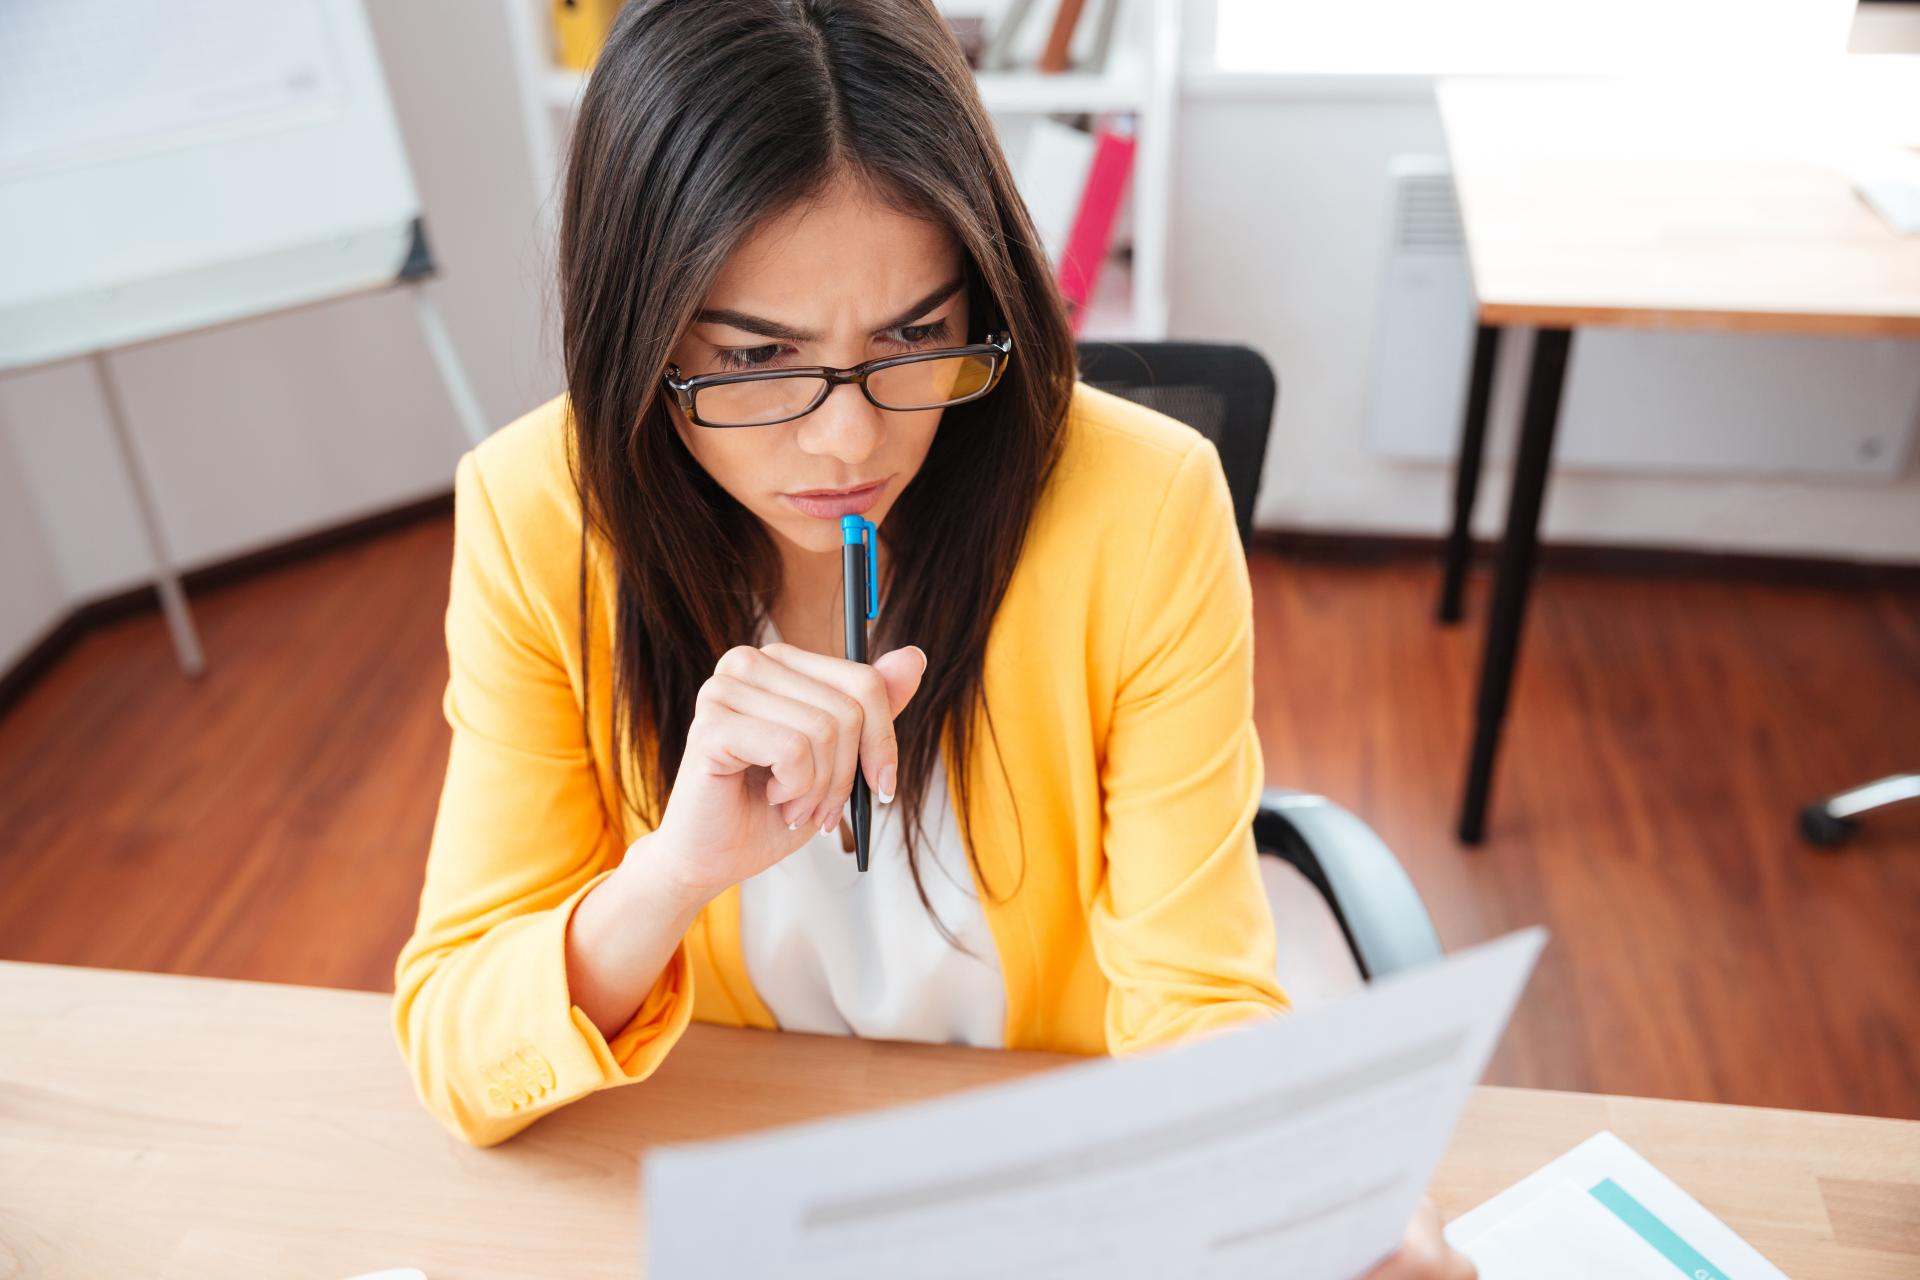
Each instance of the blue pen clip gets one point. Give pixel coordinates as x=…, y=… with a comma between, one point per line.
x=859, y=529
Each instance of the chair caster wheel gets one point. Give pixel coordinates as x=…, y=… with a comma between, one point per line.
x=1823, y=829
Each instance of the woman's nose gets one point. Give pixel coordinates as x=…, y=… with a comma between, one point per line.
x=847, y=426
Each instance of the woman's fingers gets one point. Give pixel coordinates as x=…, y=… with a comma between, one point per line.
x=821, y=728
x=880, y=690
x=729, y=742
x=762, y=669
x=901, y=669
x=844, y=710
x=1424, y=1254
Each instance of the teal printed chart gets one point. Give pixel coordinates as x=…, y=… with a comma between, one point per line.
x=1642, y=1222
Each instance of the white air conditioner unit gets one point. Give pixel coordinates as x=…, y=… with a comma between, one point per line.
x=1673, y=402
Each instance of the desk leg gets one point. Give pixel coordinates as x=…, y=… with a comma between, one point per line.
x=166, y=578
x=1466, y=471
x=1515, y=571
x=446, y=359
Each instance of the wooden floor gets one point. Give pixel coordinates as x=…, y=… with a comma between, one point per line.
x=270, y=821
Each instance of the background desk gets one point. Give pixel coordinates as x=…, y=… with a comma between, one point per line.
x=175, y=1127
x=1676, y=206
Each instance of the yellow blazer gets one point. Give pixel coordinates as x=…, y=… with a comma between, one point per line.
x=1120, y=673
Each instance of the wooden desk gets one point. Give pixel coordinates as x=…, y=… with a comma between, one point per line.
x=1695, y=205
x=176, y=1127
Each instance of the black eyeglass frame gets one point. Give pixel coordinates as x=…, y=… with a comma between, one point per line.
x=997, y=347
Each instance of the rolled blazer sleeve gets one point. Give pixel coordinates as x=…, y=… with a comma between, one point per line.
x=1181, y=925
x=481, y=1007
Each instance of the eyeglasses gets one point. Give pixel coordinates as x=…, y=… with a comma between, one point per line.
x=923, y=380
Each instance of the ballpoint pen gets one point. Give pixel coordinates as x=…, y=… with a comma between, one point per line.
x=862, y=584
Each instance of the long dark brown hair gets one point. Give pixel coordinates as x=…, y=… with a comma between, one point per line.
x=701, y=121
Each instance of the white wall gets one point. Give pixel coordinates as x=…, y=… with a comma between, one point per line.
x=1280, y=238
x=259, y=432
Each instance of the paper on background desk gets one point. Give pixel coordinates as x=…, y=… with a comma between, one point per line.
x=1889, y=181
x=1292, y=1147
x=1601, y=1212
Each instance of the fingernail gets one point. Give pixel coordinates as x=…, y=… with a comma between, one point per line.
x=887, y=780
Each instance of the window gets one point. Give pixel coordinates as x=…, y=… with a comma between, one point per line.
x=1372, y=37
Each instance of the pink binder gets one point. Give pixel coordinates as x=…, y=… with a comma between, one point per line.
x=1092, y=233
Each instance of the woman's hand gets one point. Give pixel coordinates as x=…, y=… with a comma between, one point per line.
x=1425, y=1254
x=776, y=735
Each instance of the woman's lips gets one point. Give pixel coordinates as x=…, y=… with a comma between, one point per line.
x=831, y=506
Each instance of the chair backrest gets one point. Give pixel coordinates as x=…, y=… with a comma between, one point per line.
x=1225, y=392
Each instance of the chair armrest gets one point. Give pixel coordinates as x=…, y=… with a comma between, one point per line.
x=1378, y=909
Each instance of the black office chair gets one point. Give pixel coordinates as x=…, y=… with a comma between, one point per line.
x=1227, y=393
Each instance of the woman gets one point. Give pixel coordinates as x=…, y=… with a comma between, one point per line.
x=653, y=740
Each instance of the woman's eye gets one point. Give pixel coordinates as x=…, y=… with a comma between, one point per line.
x=748, y=357
x=741, y=359
x=919, y=335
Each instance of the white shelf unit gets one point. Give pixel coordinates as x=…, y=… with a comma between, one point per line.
x=1141, y=76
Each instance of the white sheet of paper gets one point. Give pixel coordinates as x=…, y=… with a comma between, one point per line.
x=1601, y=1211
x=1296, y=1147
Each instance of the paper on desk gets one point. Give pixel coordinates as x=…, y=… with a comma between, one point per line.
x=1601, y=1212
x=1292, y=1147
x=1888, y=179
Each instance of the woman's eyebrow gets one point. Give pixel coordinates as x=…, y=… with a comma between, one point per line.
x=786, y=333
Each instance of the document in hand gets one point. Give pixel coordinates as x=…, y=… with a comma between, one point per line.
x=1296, y=1146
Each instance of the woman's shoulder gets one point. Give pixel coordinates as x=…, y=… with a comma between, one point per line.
x=523, y=466
x=1127, y=429
x=1137, y=509
x=1120, y=462
x=514, y=494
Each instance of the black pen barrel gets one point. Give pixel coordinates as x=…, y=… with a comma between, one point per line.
x=853, y=564
x=862, y=822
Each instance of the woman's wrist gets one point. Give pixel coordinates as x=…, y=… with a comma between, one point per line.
x=654, y=876
x=622, y=936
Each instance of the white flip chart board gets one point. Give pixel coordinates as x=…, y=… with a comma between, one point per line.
x=164, y=167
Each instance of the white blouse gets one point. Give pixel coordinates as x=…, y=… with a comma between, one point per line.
x=833, y=950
